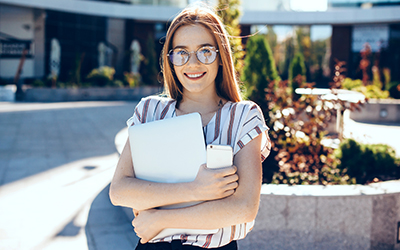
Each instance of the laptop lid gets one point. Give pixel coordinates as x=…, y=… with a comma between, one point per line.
x=169, y=150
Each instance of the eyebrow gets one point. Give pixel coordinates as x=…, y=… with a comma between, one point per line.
x=201, y=45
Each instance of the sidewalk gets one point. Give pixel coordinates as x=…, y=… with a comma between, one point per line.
x=56, y=162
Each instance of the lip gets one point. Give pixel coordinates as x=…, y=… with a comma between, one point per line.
x=195, y=75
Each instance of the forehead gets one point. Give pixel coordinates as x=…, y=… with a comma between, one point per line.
x=192, y=36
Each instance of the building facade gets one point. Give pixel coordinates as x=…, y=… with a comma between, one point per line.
x=96, y=33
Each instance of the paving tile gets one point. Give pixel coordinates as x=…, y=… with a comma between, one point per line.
x=113, y=241
x=36, y=141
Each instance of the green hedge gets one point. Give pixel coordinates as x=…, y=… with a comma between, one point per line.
x=368, y=162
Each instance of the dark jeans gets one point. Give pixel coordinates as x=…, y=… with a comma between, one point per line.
x=177, y=245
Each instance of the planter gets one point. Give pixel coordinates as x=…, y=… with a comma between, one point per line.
x=378, y=111
x=327, y=217
x=88, y=94
x=7, y=93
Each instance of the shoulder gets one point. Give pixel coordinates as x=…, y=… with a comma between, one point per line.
x=154, y=102
x=154, y=99
x=154, y=107
x=248, y=104
x=245, y=106
x=246, y=111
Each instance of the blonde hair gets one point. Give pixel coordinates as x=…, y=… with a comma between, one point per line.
x=225, y=81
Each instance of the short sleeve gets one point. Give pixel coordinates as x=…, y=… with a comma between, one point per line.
x=152, y=108
x=137, y=117
x=252, y=126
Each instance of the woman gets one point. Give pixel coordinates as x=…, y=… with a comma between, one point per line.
x=199, y=77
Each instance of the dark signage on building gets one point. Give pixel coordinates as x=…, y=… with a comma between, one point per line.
x=14, y=49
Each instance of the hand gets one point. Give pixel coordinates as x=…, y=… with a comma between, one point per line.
x=146, y=225
x=212, y=184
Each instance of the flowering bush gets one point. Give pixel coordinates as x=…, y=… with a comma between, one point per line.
x=298, y=130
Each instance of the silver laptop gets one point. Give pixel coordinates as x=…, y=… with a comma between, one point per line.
x=169, y=151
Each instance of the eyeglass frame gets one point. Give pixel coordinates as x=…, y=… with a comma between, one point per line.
x=216, y=51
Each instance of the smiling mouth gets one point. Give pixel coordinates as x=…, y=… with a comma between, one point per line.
x=195, y=76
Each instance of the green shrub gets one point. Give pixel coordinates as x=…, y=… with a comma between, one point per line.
x=37, y=83
x=102, y=76
x=132, y=80
x=350, y=84
x=394, y=90
x=374, y=91
x=259, y=67
x=370, y=91
x=297, y=68
x=366, y=162
x=259, y=70
x=150, y=70
x=117, y=83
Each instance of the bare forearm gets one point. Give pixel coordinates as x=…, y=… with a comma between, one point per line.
x=128, y=191
x=142, y=195
x=212, y=214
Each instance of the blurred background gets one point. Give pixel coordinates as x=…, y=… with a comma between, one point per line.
x=69, y=39
x=326, y=74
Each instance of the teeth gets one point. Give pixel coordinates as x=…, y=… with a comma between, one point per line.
x=194, y=75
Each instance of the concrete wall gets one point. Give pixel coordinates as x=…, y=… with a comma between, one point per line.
x=88, y=94
x=326, y=218
x=380, y=111
x=19, y=23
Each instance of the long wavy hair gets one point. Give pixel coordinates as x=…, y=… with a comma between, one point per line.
x=226, y=83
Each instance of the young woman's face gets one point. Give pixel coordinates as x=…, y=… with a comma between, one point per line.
x=195, y=76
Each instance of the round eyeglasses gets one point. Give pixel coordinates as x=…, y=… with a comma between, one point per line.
x=205, y=54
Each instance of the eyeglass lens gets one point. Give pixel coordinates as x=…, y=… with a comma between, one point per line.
x=206, y=55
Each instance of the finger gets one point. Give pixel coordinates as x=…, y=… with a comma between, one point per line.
x=228, y=193
x=231, y=178
x=232, y=186
x=203, y=167
x=228, y=170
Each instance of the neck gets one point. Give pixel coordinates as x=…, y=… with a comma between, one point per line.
x=202, y=103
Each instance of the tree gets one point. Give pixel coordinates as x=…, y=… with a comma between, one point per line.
x=259, y=70
x=150, y=70
x=229, y=12
x=297, y=67
x=289, y=48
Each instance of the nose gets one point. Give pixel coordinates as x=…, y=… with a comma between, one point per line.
x=192, y=59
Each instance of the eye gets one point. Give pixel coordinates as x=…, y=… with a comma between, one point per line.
x=181, y=52
x=205, y=50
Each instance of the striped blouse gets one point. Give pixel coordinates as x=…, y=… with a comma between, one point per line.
x=235, y=124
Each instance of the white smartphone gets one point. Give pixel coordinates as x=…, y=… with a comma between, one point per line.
x=219, y=156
